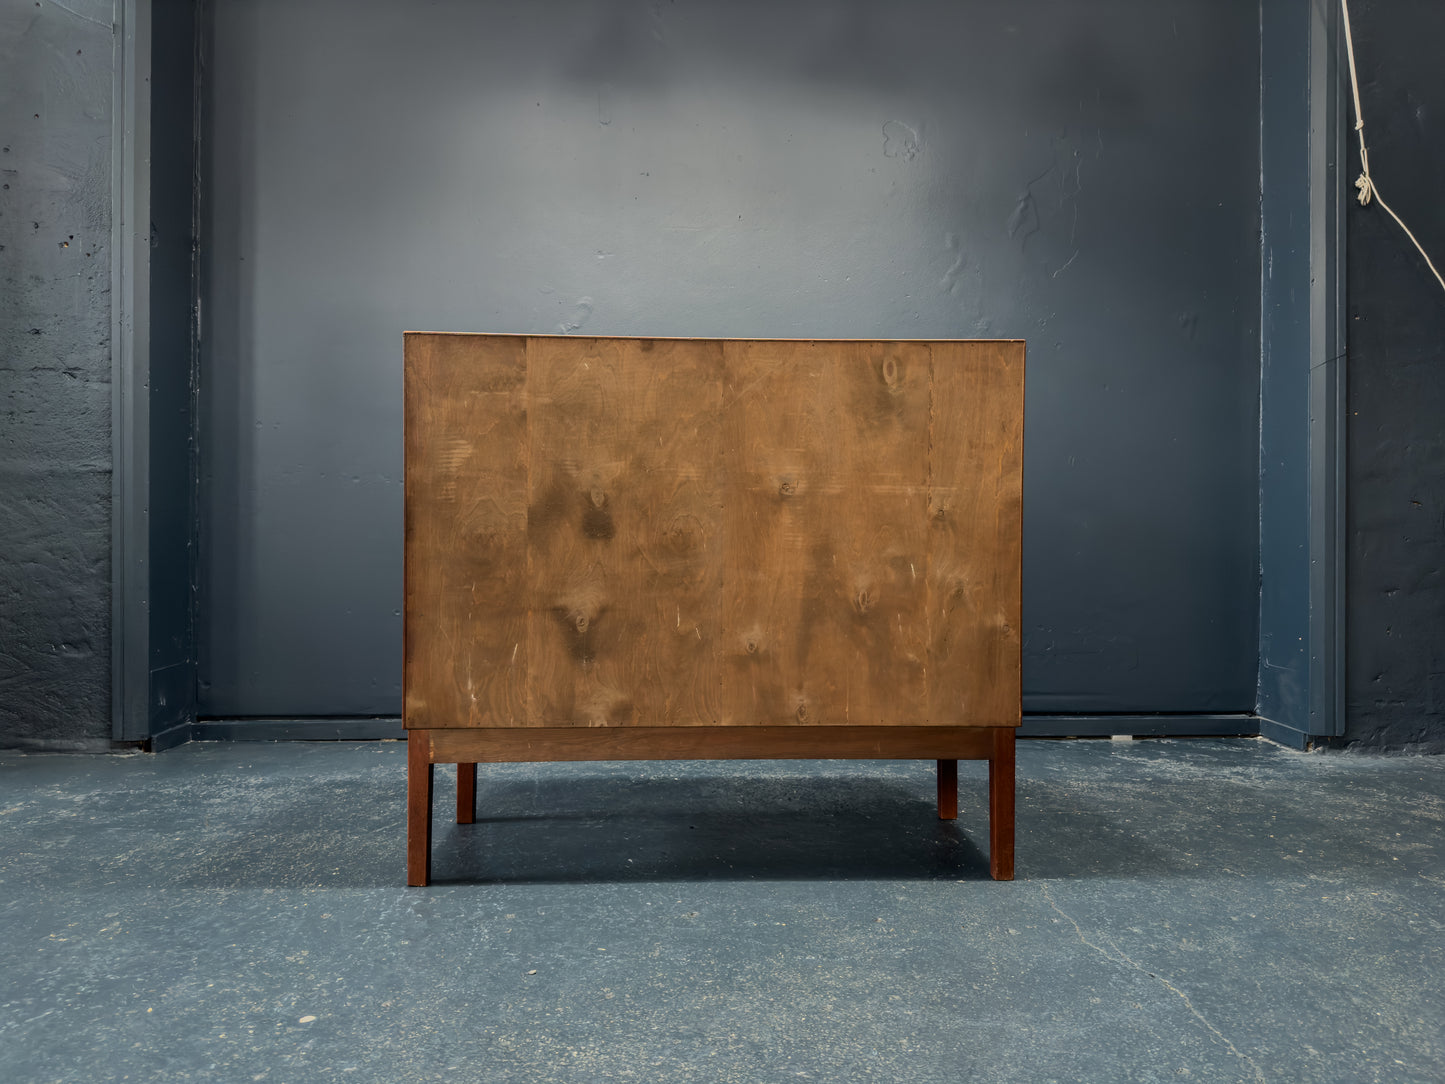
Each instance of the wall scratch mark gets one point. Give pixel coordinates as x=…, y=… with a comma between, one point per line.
x=81, y=15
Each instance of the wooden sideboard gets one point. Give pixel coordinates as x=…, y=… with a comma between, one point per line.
x=637, y=549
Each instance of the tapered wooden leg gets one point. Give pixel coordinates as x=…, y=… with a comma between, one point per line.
x=948, y=790
x=419, y=772
x=466, y=793
x=1001, y=805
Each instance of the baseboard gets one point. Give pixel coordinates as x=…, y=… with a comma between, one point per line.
x=1140, y=726
x=372, y=728
x=365, y=728
x=9, y=744
x=171, y=737
x=1284, y=735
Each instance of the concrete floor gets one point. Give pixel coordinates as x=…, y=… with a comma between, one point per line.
x=1208, y=911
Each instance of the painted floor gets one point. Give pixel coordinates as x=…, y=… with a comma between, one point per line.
x=1197, y=911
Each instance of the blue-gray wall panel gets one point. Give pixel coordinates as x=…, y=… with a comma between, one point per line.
x=1284, y=464
x=172, y=506
x=1085, y=176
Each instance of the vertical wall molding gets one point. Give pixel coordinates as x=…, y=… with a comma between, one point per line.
x=1302, y=374
x=154, y=367
x=130, y=362
x=1327, y=398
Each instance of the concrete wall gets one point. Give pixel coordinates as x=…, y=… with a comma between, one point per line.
x=55, y=329
x=1396, y=327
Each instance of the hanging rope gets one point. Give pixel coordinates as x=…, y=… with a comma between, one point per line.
x=1365, y=183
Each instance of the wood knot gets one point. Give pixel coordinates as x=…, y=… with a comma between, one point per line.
x=787, y=487
x=581, y=622
x=752, y=647
x=890, y=371
x=596, y=519
x=684, y=535
x=863, y=600
x=801, y=713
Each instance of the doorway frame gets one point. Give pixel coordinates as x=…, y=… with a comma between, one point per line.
x=1312, y=489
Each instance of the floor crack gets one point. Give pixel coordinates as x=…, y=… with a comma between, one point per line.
x=1114, y=954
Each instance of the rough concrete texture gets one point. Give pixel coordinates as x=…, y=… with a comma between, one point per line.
x=1396, y=327
x=1210, y=911
x=55, y=450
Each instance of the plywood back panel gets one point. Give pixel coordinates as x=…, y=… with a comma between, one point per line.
x=466, y=441
x=624, y=534
x=680, y=532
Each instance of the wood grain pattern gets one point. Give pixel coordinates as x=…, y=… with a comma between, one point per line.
x=535, y=744
x=637, y=533
x=624, y=546
x=466, y=530
x=824, y=612
x=975, y=513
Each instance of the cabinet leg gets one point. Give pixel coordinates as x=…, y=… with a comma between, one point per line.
x=1001, y=805
x=419, y=773
x=466, y=793
x=948, y=790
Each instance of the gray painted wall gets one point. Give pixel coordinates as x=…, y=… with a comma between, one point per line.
x=1284, y=365
x=1396, y=512
x=55, y=394
x=1082, y=176
x=55, y=443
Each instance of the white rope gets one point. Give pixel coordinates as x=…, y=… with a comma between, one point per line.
x=1365, y=183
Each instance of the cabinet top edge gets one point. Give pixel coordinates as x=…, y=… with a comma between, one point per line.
x=693, y=338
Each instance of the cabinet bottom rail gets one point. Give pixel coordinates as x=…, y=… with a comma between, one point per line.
x=466, y=748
